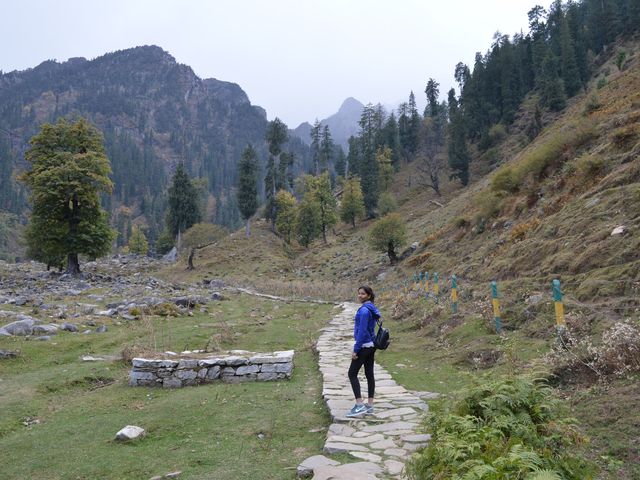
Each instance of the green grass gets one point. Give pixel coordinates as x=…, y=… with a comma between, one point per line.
x=256, y=430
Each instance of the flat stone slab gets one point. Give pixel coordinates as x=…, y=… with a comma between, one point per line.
x=350, y=471
x=306, y=468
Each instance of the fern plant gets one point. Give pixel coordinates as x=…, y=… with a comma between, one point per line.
x=507, y=429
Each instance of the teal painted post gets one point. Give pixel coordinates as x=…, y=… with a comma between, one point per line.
x=454, y=294
x=559, y=306
x=496, y=306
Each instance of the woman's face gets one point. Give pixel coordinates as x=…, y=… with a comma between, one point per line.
x=363, y=296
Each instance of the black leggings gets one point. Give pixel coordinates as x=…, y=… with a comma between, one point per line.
x=365, y=357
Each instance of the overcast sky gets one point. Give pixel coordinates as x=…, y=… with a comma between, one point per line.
x=297, y=59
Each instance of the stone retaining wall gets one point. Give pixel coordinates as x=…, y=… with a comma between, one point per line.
x=194, y=371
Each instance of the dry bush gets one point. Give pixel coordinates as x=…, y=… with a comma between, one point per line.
x=618, y=354
x=589, y=166
x=418, y=260
x=489, y=203
x=164, y=310
x=624, y=137
x=520, y=231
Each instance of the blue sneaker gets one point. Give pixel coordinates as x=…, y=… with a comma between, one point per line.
x=357, y=410
x=369, y=409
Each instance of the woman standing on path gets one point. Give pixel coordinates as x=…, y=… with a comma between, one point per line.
x=363, y=351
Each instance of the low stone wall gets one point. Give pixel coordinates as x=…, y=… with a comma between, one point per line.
x=184, y=372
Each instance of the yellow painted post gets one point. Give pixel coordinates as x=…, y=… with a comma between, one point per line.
x=496, y=306
x=454, y=294
x=559, y=306
x=426, y=284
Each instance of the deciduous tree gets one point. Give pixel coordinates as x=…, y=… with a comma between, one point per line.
x=388, y=234
x=69, y=170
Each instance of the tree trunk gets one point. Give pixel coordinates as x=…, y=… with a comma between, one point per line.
x=324, y=234
x=392, y=254
x=248, y=229
x=73, y=266
x=190, y=260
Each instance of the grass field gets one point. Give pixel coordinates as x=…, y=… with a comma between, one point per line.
x=60, y=415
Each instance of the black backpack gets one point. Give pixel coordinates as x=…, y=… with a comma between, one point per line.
x=382, y=340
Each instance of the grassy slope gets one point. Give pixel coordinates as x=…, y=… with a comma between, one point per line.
x=200, y=430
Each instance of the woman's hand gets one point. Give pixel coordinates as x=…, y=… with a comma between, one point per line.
x=354, y=356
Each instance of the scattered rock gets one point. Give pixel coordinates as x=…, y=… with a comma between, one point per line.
x=620, y=230
x=21, y=327
x=534, y=299
x=69, y=327
x=101, y=329
x=130, y=432
x=7, y=354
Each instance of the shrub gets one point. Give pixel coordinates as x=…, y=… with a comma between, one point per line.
x=589, y=166
x=623, y=137
x=461, y=222
x=418, y=260
x=497, y=133
x=520, y=231
x=621, y=58
x=504, y=181
x=601, y=83
x=504, y=429
x=618, y=354
x=592, y=104
x=489, y=203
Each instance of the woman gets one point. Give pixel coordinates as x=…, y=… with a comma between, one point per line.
x=363, y=351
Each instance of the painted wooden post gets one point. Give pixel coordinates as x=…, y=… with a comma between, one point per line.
x=496, y=306
x=426, y=284
x=559, y=306
x=436, y=286
x=454, y=294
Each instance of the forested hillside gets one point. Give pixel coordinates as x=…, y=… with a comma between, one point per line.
x=154, y=113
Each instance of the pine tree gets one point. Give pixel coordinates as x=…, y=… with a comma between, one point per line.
x=432, y=91
x=315, y=146
x=391, y=139
x=368, y=167
x=341, y=163
x=248, y=185
x=457, y=152
x=326, y=149
x=277, y=134
x=184, y=210
x=69, y=170
x=352, y=206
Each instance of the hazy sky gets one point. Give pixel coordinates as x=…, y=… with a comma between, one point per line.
x=297, y=59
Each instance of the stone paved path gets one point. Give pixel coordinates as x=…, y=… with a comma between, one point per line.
x=384, y=440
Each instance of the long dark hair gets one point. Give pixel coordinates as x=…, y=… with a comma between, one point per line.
x=368, y=290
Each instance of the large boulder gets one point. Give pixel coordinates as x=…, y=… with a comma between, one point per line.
x=21, y=327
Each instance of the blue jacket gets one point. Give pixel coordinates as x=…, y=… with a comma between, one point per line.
x=364, y=325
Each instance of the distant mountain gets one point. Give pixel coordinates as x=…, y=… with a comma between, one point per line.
x=154, y=113
x=342, y=124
